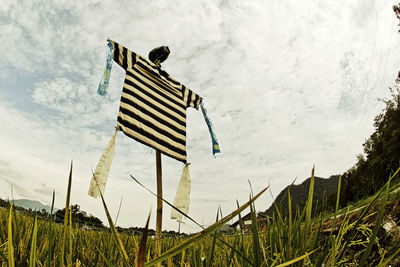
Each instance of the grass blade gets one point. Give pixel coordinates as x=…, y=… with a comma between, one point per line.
x=309, y=207
x=387, y=261
x=213, y=242
x=32, y=259
x=115, y=233
x=289, y=243
x=296, y=259
x=167, y=202
x=108, y=263
x=3, y=256
x=66, y=216
x=191, y=219
x=70, y=236
x=333, y=250
x=50, y=248
x=10, y=243
x=197, y=237
x=378, y=224
x=114, y=230
x=338, y=195
x=363, y=213
x=141, y=253
x=256, y=241
x=119, y=209
x=232, y=252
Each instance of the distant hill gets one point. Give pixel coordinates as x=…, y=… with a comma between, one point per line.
x=32, y=204
x=299, y=193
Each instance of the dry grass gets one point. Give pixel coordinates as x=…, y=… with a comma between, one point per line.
x=355, y=239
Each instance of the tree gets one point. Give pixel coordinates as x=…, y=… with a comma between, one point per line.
x=382, y=153
x=79, y=217
x=396, y=9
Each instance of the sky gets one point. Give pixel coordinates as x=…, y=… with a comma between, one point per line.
x=287, y=84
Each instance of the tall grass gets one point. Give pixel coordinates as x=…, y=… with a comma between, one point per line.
x=299, y=240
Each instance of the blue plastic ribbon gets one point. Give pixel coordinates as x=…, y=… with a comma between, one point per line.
x=215, y=145
x=105, y=80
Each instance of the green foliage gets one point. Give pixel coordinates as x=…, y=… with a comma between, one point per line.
x=381, y=151
x=396, y=9
x=382, y=154
x=79, y=217
x=297, y=241
x=299, y=195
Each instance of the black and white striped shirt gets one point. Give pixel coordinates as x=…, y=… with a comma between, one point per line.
x=153, y=105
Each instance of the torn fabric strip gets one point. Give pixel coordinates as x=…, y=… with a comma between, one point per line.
x=182, y=197
x=99, y=179
x=105, y=80
x=214, y=140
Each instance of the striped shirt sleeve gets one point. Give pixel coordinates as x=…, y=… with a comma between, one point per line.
x=123, y=56
x=190, y=98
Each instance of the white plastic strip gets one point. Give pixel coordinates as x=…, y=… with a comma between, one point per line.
x=182, y=197
x=99, y=179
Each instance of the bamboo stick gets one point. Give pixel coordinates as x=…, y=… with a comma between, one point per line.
x=159, y=202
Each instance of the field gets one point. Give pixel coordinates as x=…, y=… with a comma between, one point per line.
x=353, y=238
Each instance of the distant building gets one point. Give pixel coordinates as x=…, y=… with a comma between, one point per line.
x=226, y=228
x=247, y=222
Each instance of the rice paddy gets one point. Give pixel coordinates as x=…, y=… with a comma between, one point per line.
x=353, y=239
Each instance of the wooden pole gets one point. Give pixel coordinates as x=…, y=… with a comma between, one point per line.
x=159, y=202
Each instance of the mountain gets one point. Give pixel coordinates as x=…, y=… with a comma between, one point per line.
x=32, y=204
x=323, y=188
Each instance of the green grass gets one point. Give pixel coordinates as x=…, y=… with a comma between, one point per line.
x=299, y=240
x=363, y=202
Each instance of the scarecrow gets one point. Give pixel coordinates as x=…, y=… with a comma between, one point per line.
x=153, y=112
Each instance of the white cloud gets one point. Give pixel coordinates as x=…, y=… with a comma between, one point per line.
x=287, y=85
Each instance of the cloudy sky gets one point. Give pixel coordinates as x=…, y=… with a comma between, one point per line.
x=287, y=84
